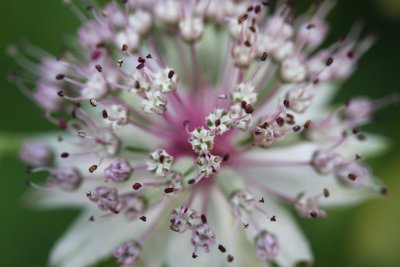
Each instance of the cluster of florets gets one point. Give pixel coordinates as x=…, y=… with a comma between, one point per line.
x=119, y=85
x=185, y=219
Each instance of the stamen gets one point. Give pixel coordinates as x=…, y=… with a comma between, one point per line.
x=329, y=62
x=326, y=193
x=308, y=124
x=92, y=168
x=222, y=248
x=242, y=18
x=230, y=258
x=60, y=77
x=169, y=190
x=93, y=102
x=99, y=68
x=136, y=186
x=264, y=56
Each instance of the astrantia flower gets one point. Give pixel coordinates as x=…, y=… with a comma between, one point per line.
x=187, y=128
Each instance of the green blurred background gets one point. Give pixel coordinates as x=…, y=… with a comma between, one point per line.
x=365, y=236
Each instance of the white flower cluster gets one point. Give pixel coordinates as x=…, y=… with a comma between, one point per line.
x=152, y=83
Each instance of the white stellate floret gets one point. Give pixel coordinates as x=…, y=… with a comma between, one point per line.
x=201, y=140
x=160, y=162
x=163, y=83
x=208, y=164
x=154, y=102
x=191, y=28
x=117, y=116
x=95, y=87
x=219, y=121
x=244, y=92
x=140, y=21
x=130, y=38
x=167, y=11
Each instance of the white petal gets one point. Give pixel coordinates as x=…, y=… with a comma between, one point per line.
x=373, y=145
x=178, y=251
x=86, y=242
x=294, y=247
x=304, y=151
x=291, y=180
x=138, y=137
x=82, y=163
x=57, y=198
x=324, y=93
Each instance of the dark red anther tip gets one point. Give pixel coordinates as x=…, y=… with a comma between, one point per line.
x=98, y=68
x=265, y=3
x=60, y=76
x=384, y=191
x=308, y=124
x=264, y=56
x=63, y=124
x=93, y=168
x=222, y=248
x=280, y=121
x=329, y=61
x=229, y=258
x=286, y=103
x=93, y=102
x=352, y=176
x=242, y=18
x=296, y=128
x=171, y=74
x=249, y=109
x=136, y=186
x=326, y=193
x=105, y=114
x=140, y=66
x=225, y=157
x=95, y=54
x=350, y=54
x=203, y=219
x=313, y=214
x=169, y=190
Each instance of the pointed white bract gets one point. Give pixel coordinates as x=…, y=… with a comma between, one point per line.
x=184, y=123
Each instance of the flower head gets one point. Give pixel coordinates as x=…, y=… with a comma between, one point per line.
x=118, y=171
x=199, y=117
